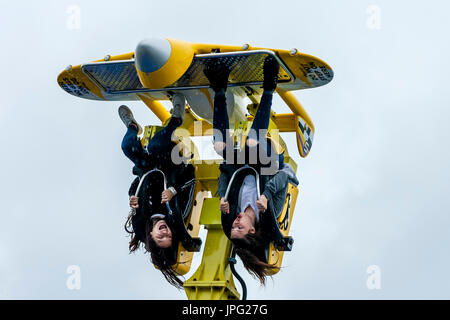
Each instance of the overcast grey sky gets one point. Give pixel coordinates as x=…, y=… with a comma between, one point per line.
x=373, y=191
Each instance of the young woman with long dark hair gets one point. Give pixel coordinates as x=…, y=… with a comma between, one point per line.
x=244, y=212
x=150, y=223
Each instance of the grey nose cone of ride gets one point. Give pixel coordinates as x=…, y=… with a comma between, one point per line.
x=151, y=54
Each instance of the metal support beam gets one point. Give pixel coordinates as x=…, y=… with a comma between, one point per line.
x=296, y=107
x=213, y=279
x=156, y=107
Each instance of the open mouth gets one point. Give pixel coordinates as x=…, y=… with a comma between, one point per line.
x=162, y=226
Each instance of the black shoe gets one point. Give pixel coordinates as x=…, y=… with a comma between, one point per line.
x=217, y=73
x=271, y=68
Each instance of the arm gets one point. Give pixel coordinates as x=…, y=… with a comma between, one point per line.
x=133, y=187
x=133, y=200
x=223, y=182
x=222, y=189
x=173, y=185
x=177, y=180
x=178, y=177
x=276, y=184
x=274, y=193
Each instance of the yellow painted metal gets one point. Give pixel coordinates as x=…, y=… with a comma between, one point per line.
x=285, y=122
x=184, y=259
x=156, y=107
x=304, y=131
x=195, y=125
x=119, y=57
x=275, y=256
x=309, y=71
x=149, y=132
x=75, y=77
x=179, y=61
x=213, y=280
x=296, y=107
x=207, y=173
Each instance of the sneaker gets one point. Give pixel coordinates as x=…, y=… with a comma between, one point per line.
x=179, y=105
x=127, y=118
x=271, y=68
x=217, y=73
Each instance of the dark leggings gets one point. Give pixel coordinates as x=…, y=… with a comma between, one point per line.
x=157, y=148
x=260, y=122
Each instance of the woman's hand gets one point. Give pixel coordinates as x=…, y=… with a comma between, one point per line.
x=134, y=202
x=166, y=196
x=224, y=205
x=261, y=203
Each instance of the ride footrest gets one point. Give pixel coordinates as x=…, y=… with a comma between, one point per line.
x=192, y=244
x=284, y=244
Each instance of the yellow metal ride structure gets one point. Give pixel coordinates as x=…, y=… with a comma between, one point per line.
x=160, y=67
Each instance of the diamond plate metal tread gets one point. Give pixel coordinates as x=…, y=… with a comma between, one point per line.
x=117, y=77
x=246, y=69
x=114, y=77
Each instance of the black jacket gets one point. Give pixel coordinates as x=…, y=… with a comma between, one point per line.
x=181, y=177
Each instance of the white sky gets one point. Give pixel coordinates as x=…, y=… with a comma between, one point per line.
x=374, y=189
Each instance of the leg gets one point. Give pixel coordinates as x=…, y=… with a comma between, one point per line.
x=217, y=73
x=257, y=135
x=262, y=117
x=220, y=123
x=161, y=141
x=257, y=143
x=132, y=148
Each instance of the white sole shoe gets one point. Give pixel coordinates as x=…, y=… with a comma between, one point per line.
x=179, y=105
x=127, y=117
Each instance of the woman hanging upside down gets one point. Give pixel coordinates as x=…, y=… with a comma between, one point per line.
x=244, y=212
x=149, y=223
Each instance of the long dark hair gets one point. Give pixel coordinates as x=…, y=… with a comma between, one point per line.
x=162, y=258
x=250, y=250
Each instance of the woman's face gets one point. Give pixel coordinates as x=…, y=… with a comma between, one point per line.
x=243, y=224
x=161, y=234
